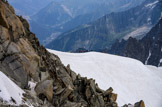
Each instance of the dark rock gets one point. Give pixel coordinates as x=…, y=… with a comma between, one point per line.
x=59, y=92
x=113, y=97
x=108, y=92
x=3, y=20
x=98, y=89
x=148, y=50
x=139, y=104
x=45, y=88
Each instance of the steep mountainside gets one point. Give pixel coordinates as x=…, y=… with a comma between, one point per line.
x=148, y=50
x=23, y=59
x=53, y=14
x=103, y=32
x=28, y=7
x=64, y=15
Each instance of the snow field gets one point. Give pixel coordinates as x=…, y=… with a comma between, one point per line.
x=130, y=79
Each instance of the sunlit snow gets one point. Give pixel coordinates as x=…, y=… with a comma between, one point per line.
x=130, y=79
x=138, y=32
x=9, y=90
x=67, y=10
x=152, y=5
x=148, y=57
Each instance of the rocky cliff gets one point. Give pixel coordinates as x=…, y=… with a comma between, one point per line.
x=23, y=59
x=148, y=50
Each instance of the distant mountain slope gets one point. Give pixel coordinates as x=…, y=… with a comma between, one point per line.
x=28, y=7
x=126, y=75
x=103, y=32
x=148, y=50
x=53, y=14
x=65, y=15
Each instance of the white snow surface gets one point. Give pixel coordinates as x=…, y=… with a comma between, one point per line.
x=138, y=32
x=130, y=79
x=32, y=85
x=152, y=5
x=67, y=10
x=9, y=89
x=146, y=62
x=157, y=70
x=160, y=62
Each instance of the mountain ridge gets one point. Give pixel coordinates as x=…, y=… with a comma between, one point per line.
x=82, y=11
x=103, y=32
x=147, y=50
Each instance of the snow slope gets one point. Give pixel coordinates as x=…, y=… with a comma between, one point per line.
x=137, y=33
x=9, y=90
x=152, y=5
x=130, y=79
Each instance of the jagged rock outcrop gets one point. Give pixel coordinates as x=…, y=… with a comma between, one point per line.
x=138, y=104
x=3, y=20
x=22, y=58
x=148, y=50
x=45, y=88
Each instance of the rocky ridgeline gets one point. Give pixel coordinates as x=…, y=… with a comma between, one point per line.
x=23, y=59
x=148, y=50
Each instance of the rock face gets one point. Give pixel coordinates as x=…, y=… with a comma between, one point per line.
x=138, y=104
x=3, y=20
x=22, y=58
x=103, y=32
x=148, y=50
x=45, y=88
